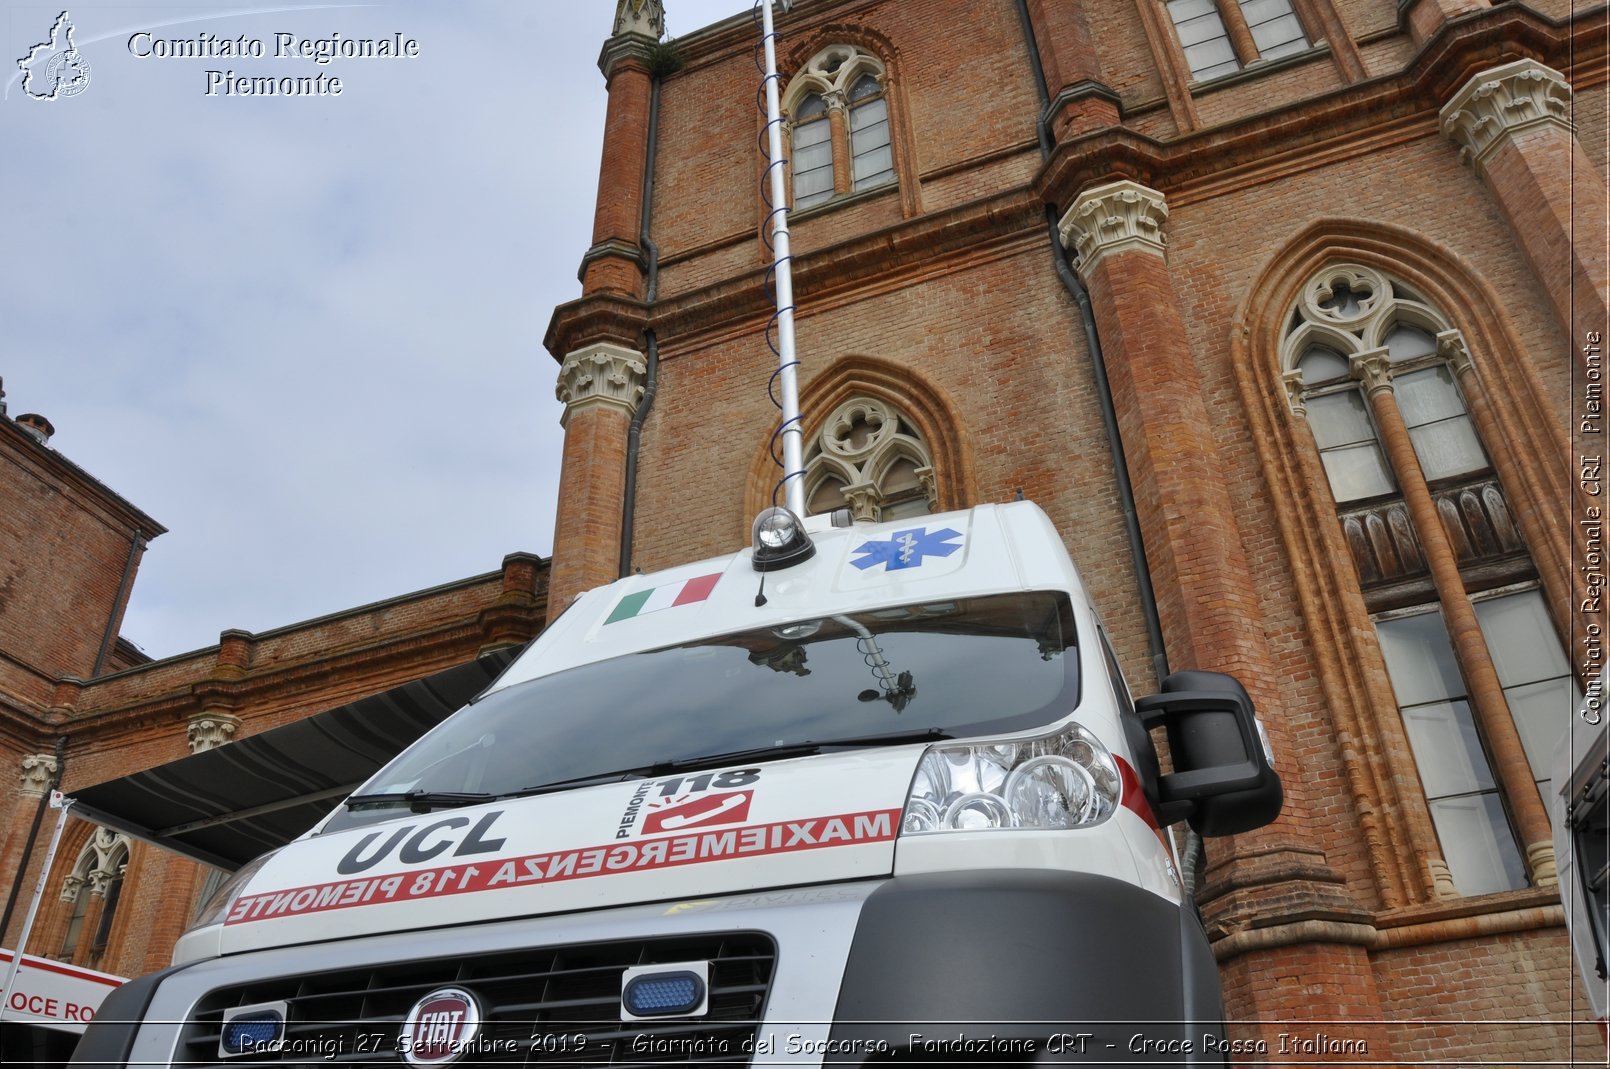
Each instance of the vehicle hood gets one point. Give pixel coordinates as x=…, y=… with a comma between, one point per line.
x=713, y=832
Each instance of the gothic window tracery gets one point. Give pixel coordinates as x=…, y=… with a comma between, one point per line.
x=1380, y=376
x=839, y=130
x=97, y=873
x=869, y=458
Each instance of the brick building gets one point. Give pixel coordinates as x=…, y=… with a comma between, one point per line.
x=77, y=700
x=1334, y=262
x=1301, y=286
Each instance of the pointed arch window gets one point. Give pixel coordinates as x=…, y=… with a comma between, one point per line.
x=96, y=879
x=869, y=458
x=838, y=123
x=1481, y=679
x=1220, y=37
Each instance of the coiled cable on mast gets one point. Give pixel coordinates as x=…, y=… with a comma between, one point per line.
x=774, y=228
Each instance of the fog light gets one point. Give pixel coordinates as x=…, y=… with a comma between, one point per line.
x=664, y=990
x=252, y=1029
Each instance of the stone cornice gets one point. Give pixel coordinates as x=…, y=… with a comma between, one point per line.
x=1114, y=218
x=908, y=248
x=612, y=248
x=594, y=318
x=636, y=48
x=1452, y=57
x=1496, y=105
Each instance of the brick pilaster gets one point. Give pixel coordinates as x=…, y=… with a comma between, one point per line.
x=1513, y=125
x=613, y=263
x=36, y=772
x=1210, y=613
x=601, y=386
x=1081, y=101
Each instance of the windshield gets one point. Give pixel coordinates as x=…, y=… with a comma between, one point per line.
x=962, y=667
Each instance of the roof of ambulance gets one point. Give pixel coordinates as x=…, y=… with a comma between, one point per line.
x=988, y=549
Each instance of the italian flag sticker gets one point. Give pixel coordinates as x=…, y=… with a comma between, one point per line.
x=669, y=596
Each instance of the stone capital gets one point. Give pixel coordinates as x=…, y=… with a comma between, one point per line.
x=1373, y=369
x=1452, y=348
x=208, y=731
x=639, y=25
x=71, y=886
x=1114, y=218
x=1495, y=105
x=1293, y=381
x=601, y=374
x=37, y=770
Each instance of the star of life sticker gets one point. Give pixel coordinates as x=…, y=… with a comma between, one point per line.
x=907, y=549
x=54, y=69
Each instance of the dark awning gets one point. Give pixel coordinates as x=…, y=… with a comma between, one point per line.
x=228, y=805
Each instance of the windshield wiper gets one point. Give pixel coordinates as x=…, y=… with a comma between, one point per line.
x=418, y=801
x=808, y=748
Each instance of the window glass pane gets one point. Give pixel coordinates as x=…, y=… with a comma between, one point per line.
x=1406, y=343
x=1211, y=59
x=1447, y=448
x=811, y=106
x=1339, y=419
x=900, y=510
x=872, y=161
x=875, y=168
x=1447, y=749
x=1419, y=659
x=1275, y=29
x=1521, y=638
x=1427, y=396
x=1541, y=712
x=870, y=120
x=1203, y=37
x=1357, y=471
x=1477, y=844
x=1322, y=365
x=813, y=163
x=865, y=86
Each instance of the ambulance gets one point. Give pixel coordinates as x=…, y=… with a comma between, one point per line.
x=857, y=792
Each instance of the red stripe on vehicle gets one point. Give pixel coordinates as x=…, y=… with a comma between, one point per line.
x=1135, y=799
x=644, y=855
x=696, y=589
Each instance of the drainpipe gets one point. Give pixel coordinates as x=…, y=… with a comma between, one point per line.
x=135, y=547
x=1192, y=857
x=634, y=433
x=1098, y=366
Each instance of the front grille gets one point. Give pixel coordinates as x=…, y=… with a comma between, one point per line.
x=546, y=1006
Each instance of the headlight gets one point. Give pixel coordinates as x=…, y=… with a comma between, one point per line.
x=223, y=899
x=1066, y=780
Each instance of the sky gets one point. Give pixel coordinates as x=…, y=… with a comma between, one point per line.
x=304, y=333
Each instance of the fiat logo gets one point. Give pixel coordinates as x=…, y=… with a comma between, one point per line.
x=440, y=1028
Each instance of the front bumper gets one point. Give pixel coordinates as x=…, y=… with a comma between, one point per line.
x=1015, y=966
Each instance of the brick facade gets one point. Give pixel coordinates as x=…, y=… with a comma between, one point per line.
x=65, y=553
x=1196, y=212
x=938, y=295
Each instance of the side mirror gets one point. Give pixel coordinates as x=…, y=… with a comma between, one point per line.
x=1224, y=781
